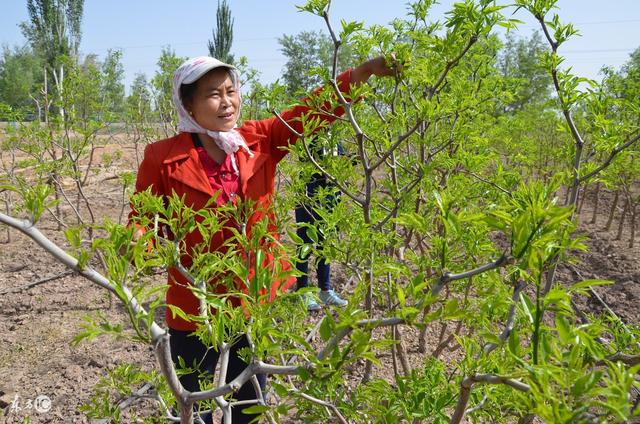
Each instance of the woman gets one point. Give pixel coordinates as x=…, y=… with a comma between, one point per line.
x=211, y=158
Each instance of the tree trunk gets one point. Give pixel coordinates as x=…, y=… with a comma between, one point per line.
x=625, y=209
x=634, y=214
x=612, y=212
x=402, y=353
x=566, y=195
x=584, y=196
x=54, y=176
x=596, y=201
x=8, y=210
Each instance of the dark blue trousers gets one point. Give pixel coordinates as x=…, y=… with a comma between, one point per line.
x=304, y=214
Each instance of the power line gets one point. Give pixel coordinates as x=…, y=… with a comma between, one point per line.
x=243, y=40
x=623, y=21
x=187, y=43
x=598, y=51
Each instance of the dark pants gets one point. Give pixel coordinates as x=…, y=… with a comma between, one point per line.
x=195, y=354
x=304, y=214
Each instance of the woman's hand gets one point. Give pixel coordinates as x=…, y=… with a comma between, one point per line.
x=377, y=66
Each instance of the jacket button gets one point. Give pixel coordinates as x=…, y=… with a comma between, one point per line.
x=232, y=194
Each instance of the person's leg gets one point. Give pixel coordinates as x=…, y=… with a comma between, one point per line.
x=196, y=356
x=247, y=391
x=302, y=217
x=323, y=267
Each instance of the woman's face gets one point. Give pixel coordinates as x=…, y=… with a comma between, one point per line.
x=216, y=102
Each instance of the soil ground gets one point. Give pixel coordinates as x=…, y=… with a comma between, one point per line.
x=37, y=357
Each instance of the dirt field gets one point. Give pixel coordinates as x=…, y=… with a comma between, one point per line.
x=39, y=323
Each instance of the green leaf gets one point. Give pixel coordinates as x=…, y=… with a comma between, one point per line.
x=590, y=283
x=256, y=409
x=401, y=297
x=564, y=329
x=585, y=383
x=326, y=328
x=527, y=307
x=177, y=311
x=280, y=389
x=514, y=342
x=452, y=310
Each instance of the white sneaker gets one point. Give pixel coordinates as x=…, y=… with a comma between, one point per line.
x=310, y=302
x=330, y=297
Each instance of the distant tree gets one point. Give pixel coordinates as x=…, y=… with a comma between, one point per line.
x=162, y=83
x=20, y=76
x=54, y=32
x=306, y=51
x=139, y=99
x=220, y=46
x=82, y=100
x=519, y=64
x=54, y=28
x=625, y=83
x=112, y=84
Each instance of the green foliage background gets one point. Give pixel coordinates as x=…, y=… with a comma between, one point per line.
x=458, y=197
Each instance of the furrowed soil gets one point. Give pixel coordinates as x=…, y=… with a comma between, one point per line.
x=39, y=319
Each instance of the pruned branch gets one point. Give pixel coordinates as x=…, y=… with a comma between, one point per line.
x=577, y=137
x=256, y=367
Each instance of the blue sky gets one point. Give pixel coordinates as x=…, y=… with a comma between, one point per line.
x=610, y=30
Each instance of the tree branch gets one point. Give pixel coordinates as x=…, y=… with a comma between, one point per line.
x=630, y=360
x=396, y=144
x=328, y=405
x=36, y=283
x=467, y=384
x=612, y=155
x=508, y=327
x=447, y=276
x=450, y=64
x=315, y=163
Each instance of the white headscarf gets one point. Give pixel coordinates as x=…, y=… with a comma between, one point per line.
x=189, y=72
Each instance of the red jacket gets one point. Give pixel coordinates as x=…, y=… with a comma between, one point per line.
x=172, y=165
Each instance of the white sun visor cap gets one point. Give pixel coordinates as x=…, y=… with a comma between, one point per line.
x=194, y=68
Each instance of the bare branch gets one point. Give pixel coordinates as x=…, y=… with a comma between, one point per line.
x=467, y=384
x=336, y=41
x=396, y=144
x=508, y=327
x=328, y=405
x=491, y=183
x=452, y=63
x=630, y=360
x=612, y=155
x=36, y=283
x=447, y=276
